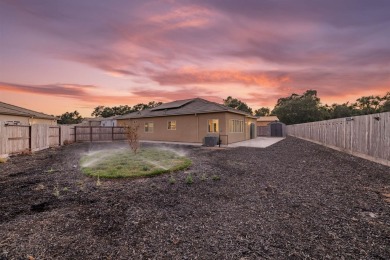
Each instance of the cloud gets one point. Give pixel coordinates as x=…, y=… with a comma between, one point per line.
x=64, y=90
x=194, y=76
x=255, y=50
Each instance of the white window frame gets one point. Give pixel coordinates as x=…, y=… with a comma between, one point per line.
x=208, y=124
x=236, y=126
x=175, y=124
x=147, y=124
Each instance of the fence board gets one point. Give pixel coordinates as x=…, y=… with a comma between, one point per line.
x=18, y=138
x=54, y=136
x=39, y=137
x=3, y=141
x=14, y=139
x=366, y=136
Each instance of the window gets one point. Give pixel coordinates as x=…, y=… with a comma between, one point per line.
x=213, y=126
x=171, y=125
x=236, y=126
x=149, y=127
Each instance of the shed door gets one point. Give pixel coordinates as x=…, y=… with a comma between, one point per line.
x=252, y=131
x=277, y=130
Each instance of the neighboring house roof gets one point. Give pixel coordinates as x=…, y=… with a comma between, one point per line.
x=96, y=119
x=267, y=119
x=109, y=118
x=183, y=107
x=7, y=109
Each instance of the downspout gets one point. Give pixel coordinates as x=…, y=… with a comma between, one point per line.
x=197, y=127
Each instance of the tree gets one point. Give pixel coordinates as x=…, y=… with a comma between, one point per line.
x=111, y=111
x=70, y=118
x=263, y=111
x=122, y=110
x=237, y=104
x=369, y=104
x=386, y=106
x=132, y=136
x=297, y=109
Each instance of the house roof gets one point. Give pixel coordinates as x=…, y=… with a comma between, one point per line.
x=183, y=107
x=267, y=119
x=7, y=109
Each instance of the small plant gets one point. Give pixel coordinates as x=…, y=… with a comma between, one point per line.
x=98, y=183
x=51, y=170
x=145, y=168
x=203, y=177
x=216, y=178
x=40, y=187
x=189, y=179
x=65, y=189
x=172, y=180
x=56, y=191
x=3, y=160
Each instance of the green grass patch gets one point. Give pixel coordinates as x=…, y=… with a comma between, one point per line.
x=123, y=163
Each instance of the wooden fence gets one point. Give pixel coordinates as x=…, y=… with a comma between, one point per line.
x=364, y=136
x=20, y=138
x=99, y=133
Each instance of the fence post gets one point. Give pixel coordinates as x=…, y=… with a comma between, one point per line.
x=75, y=136
x=59, y=136
x=112, y=133
x=29, y=138
x=90, y=131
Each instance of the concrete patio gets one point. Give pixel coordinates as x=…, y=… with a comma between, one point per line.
x=259, y=142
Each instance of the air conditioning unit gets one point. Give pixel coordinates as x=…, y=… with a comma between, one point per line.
x=211, y=141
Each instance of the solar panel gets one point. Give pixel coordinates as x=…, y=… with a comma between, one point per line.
x=175, y=104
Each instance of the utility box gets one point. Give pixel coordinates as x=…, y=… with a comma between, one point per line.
x=211, y=141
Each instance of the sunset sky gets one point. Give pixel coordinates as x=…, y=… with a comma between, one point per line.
x=66, y=55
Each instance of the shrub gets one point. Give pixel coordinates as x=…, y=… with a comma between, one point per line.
x=189, y=179
x=132, y=136
x=172, y=180
x=216, y=178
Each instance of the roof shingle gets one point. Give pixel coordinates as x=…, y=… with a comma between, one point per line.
x=7, y=109
x=183, y=107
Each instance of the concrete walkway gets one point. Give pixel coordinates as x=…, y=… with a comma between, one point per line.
x=166, y=142
x=259, y=142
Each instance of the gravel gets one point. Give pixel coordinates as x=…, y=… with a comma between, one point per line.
x=292, y=200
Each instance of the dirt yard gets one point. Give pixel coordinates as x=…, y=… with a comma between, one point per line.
x=291, y=200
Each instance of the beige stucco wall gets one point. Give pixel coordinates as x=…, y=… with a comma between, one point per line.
x=190, y=128
x=23, y=120
x=35, y=121
x=27, y=120
x=186, y=128
x=235, y=137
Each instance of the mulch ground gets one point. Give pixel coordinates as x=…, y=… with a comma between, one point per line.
x=294, y=199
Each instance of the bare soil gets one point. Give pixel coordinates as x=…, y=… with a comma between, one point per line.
x=292, y=200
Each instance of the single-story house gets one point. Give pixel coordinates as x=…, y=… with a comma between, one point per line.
x=99, y=121
x=191, y=120
x=109, y=121
x=91, y=121
x=15, y=115
x=266, y=120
